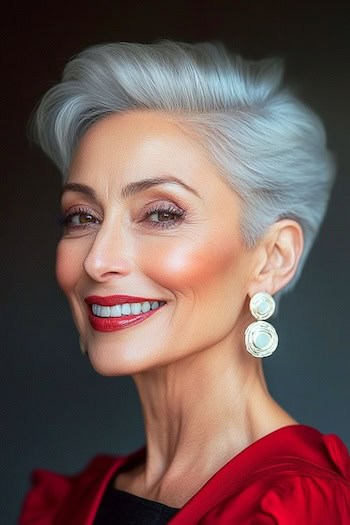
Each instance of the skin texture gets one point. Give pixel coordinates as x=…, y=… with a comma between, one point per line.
x=196, y=382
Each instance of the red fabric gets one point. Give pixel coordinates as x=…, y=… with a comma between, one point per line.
x=294, y=475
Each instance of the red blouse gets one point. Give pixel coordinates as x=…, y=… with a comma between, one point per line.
x=293, y=476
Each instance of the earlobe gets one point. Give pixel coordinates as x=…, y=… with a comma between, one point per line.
x=281, y=248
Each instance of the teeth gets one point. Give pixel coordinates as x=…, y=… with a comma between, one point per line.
x=135, y=308
x=145, y=307
x=96, y=309
x=116, y=311
x=105, y=311
x=125, y=309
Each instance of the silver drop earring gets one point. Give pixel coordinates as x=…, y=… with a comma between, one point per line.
x=261, y=338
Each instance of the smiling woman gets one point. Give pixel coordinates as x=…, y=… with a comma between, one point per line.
x=194, y=186
x=147, y=230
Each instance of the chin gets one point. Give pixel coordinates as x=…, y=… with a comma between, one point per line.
x=110, y=366
x=117, y=362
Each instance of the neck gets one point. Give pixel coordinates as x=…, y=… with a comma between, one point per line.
x=201, y=411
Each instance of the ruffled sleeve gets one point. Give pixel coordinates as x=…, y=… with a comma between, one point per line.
x=45, y=498
x=52, y=495
x=305, y=501
x=308, y=484
x=321, y=499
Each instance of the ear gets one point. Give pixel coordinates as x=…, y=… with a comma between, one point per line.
x=279, y=252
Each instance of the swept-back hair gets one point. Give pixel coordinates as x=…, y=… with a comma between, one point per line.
x=270, y=147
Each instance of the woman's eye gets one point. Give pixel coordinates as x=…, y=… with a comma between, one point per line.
x=78, y=219
x=164, y=217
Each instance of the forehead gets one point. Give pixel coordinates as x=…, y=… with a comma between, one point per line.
x=138, y=140
x=122, y=149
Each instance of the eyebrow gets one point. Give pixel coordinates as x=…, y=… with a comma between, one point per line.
x=79, y=188
x=131, y=188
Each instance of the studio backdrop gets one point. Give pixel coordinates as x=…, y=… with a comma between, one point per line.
x=57, y=412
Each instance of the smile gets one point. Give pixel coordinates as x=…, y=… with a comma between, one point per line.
x=119, y=310
x=109, y=314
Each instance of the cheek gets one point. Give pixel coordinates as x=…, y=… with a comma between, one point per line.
x=187, y=264
x=67, y=266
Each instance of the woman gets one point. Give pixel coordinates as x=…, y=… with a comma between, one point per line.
x=194, y=186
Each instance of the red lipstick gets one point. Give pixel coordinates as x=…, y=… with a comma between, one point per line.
x=111, y=300
x=112, y=324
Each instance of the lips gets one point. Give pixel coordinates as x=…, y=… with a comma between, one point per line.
x=112, y=324
x=111, y=300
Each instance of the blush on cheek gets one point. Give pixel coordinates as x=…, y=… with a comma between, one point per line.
x=188, y=265
x=65, y=274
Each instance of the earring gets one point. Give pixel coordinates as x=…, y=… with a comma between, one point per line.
x=82, y=346
x=261, y=338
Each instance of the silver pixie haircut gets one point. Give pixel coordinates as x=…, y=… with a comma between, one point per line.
x=270, y=148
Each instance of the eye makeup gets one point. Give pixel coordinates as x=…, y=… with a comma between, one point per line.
x=163, y=215
x=159, y=215
x=78, y=217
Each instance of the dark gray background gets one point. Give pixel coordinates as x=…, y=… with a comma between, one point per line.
x=56, y=411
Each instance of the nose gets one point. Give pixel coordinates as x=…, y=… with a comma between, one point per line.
x=109, y=254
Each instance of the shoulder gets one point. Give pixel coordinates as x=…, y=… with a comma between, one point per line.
x=306, y=499
x=50, y=490
x=317, y=493
x=289, y=499
x=286, y=498
x=305, y=481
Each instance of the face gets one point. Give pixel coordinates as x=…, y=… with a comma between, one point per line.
x=151, y=258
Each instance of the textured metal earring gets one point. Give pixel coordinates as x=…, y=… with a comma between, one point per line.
x=261, y=338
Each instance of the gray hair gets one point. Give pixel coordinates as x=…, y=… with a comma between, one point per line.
x=270, y=148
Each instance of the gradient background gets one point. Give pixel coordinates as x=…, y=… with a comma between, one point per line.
x=56, y=412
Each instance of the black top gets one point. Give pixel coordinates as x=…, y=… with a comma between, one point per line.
x=121, y=508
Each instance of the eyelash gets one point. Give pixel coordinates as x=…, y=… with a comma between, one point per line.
x=171, y=209
x=64, y=218
x=164, y=208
